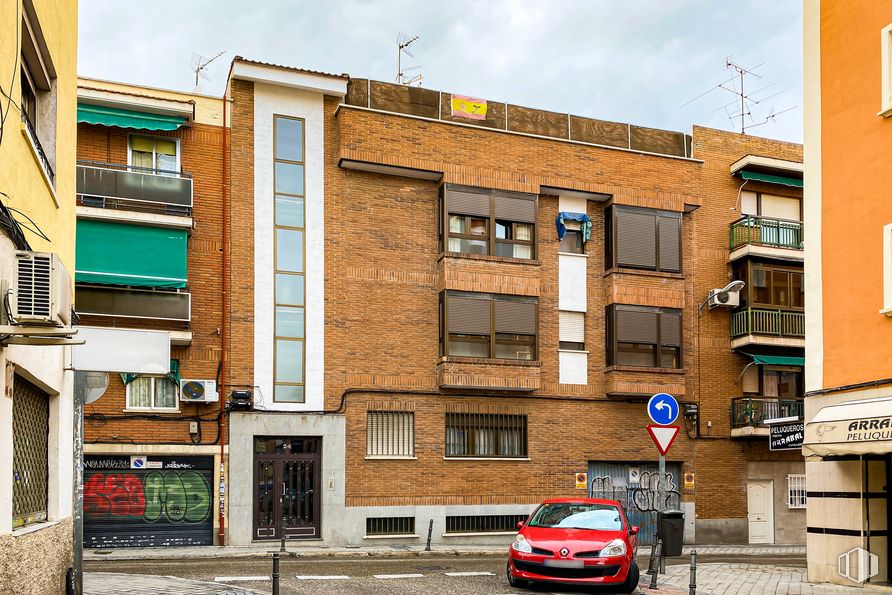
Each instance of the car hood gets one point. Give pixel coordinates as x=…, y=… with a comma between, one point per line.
x=575, y=540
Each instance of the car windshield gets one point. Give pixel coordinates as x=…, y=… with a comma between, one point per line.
x=596, y=517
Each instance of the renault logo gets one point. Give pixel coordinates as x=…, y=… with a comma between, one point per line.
x=564, y=552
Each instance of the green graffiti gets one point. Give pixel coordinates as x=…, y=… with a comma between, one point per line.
x=181, y=496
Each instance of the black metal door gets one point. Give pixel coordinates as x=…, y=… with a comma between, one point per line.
x=287, y=499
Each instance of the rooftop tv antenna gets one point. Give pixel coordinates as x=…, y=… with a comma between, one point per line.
x=199, y=63
x=744, y=102
x=403, y=42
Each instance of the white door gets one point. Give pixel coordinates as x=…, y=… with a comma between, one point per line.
x=760, y=510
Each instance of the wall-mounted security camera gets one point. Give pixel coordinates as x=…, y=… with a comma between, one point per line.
x=726, y=297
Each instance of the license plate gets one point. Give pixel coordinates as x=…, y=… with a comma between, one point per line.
x=565, y=563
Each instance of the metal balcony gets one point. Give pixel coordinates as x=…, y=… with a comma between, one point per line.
x=748, y=414
x=117, y=186
x=765, y=231
x=116, y=302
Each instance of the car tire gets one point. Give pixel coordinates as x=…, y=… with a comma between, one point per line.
x=632, y=578
x=515, y=582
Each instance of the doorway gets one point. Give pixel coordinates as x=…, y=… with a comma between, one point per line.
x=760, y=510
x=287, y=497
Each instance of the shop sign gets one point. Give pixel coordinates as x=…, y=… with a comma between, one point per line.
x=786, y=436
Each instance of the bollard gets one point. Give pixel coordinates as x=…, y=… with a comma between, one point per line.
x=282, y=531
x=653, y=557
x=430, y=531
x=653, y=575
x=692, y=588
x=275, y=573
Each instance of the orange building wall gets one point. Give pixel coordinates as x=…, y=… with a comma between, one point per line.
x=856, y=203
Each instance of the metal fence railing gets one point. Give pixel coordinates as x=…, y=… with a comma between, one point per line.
x=753, y=411
x=780, y=233
x=764, y=321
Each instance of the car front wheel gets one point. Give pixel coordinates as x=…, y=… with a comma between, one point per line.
x=515, y=582
x=631, y=582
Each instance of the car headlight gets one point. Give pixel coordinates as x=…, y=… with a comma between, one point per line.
x=521, y=545
x=617, y=547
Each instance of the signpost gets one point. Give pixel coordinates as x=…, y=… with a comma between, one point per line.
x=662, y=408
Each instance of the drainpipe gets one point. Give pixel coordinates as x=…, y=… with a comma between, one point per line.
x=224, y=324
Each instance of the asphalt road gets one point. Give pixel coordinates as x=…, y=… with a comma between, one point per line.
x=485, y=575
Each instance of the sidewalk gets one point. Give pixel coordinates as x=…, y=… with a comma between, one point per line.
x=110, y=583
x=298, y=550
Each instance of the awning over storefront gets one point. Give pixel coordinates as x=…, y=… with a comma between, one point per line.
x=852, y=428
x=135, y=255
x=778, y=360
x=771, y=179
x=124, y=118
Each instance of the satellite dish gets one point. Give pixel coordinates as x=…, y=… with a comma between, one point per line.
x=95, y=385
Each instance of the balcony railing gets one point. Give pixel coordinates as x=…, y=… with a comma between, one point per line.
x=753, y=411
x=133, y=303
x=778, y=233
x=117, y=186
x=38, y=148
x=762, y=321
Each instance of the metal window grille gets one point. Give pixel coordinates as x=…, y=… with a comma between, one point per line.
x=486, y=435
x=30, y=434
x=796, y=491
x=487, y=523
x=393, y=525
x=390, y=434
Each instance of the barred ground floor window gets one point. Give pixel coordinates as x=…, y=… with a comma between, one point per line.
x=30, y=435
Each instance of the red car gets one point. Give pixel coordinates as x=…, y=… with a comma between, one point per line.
x=576, y=541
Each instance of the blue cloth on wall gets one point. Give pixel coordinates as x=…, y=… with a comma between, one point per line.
x=586, y=226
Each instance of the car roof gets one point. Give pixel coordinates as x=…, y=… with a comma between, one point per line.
x=581, y=501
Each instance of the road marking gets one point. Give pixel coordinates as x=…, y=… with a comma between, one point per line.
x=387, y=576
x=322, y=577
x=235, y=579
x=469, y=573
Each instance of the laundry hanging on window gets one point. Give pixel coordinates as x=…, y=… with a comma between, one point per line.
x=585, y=227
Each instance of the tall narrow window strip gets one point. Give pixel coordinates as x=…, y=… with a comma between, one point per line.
x=289, y=183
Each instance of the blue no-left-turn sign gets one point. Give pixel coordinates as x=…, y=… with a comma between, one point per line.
x=662, y=409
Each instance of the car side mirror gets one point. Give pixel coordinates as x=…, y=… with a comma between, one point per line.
x=633, y=530
x=519, y=525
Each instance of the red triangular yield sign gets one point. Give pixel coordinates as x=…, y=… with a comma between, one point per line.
x=663, y=436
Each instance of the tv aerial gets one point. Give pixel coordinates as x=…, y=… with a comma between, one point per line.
x=742, y=106
x=199, y=63
x=403, y=41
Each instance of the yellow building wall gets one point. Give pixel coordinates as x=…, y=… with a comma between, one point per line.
x=21, y=177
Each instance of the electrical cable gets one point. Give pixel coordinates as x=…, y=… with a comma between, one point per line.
x=35, y=230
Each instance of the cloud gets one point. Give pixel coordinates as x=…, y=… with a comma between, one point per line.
x=626, y=61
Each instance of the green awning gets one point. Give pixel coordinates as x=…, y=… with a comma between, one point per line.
x=778, y=360
x=136, y=255
x=760, y=177
x=173, y=375
x=125, y=118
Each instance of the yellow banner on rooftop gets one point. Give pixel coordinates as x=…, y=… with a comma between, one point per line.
x=469, y=107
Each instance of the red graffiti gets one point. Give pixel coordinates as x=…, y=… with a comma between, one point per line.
x=118, y=494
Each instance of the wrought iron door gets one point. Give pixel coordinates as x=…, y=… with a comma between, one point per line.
x=287, y=498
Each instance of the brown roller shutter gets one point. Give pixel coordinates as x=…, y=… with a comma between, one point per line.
x=670, y=329
x=467, y=202
x=468, y=315
x=515, y=317
x=635, y=239
x=634, y=326
x=670, y=247
x=516, y=207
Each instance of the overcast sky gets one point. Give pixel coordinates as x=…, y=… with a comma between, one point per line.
x=633, y=61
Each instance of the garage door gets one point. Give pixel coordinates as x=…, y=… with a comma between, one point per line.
x=147, y=501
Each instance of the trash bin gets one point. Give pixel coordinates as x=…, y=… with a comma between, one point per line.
x=670, y=527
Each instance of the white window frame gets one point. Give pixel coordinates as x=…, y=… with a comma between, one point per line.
x=154, y=379
x=154, y=138
x=396, y=414
x=886, y=75
x=887, y=270
x=796, y=487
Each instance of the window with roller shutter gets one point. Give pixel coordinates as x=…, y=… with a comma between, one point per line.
x=487, y=325
x=488, y=222
x=644, y=239
x=572, y=330
x=643, y=336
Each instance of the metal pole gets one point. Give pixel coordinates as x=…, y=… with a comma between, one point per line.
x=77, y=579
x=692, y=588
x=653, y=575
x=275, y=573
x=282, y=529
x=430, y=531
x=661, y=492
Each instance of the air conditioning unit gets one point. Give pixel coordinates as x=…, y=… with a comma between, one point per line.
x=41, y=292
x=198, y=391
x=723, y=299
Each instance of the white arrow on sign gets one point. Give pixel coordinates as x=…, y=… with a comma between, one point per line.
x=664, y=405
x=663, y=436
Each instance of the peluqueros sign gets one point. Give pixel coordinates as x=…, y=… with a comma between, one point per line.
x=848, y=436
